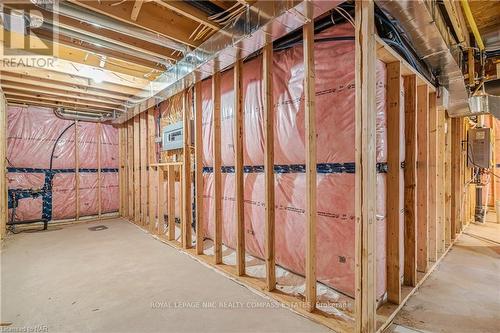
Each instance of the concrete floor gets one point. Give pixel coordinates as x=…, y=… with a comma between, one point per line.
x=463, y=294
x=72, y=279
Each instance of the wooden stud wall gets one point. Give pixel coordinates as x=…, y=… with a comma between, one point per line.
x=418, y=182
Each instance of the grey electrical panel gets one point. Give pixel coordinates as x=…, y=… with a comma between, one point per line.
x=479, y=148
x=173, y=135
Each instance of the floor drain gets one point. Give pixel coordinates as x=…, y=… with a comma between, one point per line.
x=98, y=228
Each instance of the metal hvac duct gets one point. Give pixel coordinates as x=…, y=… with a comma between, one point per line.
x=248, y=34
x=427, y=31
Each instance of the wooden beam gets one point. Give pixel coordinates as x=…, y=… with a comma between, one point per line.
x=395, y=210
x=365, y=159
x=61, y=87
x=422, y=177
x=433, y=179
x=73, y=64
x=137, y=178
x=153, y=18
x=410, y=176
x=217, y=193
x=198, y=156
x=130, y=169
x=311, y=159
x=144, y=160
x=187, y=211
x=117, y=38
x=36, y=89
x=152, y=174
x=192, y=13
x=239, y=208
x=58, y=100
x=269, y=235
x=50, y=104
x=99, y=174
x=171, y=202
x=69, y=80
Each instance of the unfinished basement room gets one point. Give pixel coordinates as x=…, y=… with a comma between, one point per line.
x=241, y=166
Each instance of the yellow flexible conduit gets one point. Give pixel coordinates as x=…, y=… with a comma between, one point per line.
x=472, y=23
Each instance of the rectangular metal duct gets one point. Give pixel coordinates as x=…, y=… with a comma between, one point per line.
x=427, y=31
x=263, y=20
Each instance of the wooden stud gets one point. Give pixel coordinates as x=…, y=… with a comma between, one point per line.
x=187, y=210
x=447, y=183
x=130, y=169
x=143, y=171
x=217, y=194
x=152, y=174
x=440, y=228
x=77, y=172
x=365, y=159
x=137, y=179
x=4, y=212
x=99, y=174
x=311, y=159
x=456, y=184
x=422, y=177
x=198, y=155
x=433, y=179
x=171, y=202
x=120, y=169
x=269, y=237
x=410, y=176
x=238, y=168
x=161, y=201
x=395, y=208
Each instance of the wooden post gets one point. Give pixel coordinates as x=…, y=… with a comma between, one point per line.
x=143, y=173
x=365, y=159
x=433, y=178
x=410, y=175
x=160, y=229
x=217, y=195
x=99, y=180
x=267, y=94
x=77, y=173
x=137, y=180
x=171, y=202
x=187, y=211
x=395, y=211
x=422, y=176
x=130, y=169
x=311, y=160
x=198, y=155
x=152, y=174
x=238, y=168
x=456, y=184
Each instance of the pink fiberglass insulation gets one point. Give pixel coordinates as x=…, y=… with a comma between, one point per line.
x=335, y=94
x=33, y=133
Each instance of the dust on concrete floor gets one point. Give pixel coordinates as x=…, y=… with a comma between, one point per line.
x=463, y=294
x=71, y=279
